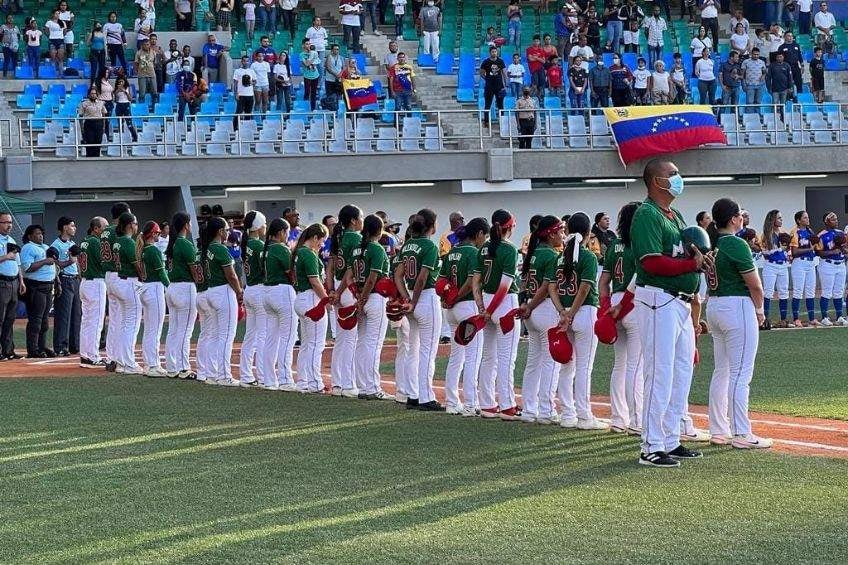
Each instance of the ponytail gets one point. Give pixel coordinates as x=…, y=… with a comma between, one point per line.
x=347, y=215
x=542, y=232
x=247, y=223
x=212, y=227
x=372, y=227
x=421, y=223
x=502, y=221
x=276, y=226
x=178, y=222
x=579, y=226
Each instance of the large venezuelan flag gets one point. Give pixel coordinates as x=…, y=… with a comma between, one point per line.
x=358, y=93
x=645, y=131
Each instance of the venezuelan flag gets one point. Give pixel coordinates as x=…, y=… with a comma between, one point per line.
x=645, y=131
x=358, y=93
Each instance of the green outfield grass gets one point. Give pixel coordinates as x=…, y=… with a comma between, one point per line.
x=133, y=469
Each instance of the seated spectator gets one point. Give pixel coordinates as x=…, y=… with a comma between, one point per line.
x=640, y=82
x=660, y=85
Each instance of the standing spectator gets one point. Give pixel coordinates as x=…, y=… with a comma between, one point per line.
x=66, y=20
x=621, y=80
x=640, y=82
x=369, y=7
x=116, y=41
x=513, y=25
x=779, y=79
x=526, y=119
x=493, y=73
x=655, y=25
x=268, y=16
x=817, y=75
x=593, y=33
x=164, y=236
x=211, y=61
x=249, y=8
x=577, y=79
x=825, y=24
x=389, y=61
x=11, y=39
x=805, y=8
x=11, y=286
x=548, y=47
x=793, y=57
x=688, y=6
x=317, y=36
x=400, y=10
x=206, y=18
x=142, y=27
x=351, y=25
x=562, y=30
x=182, y=11
x=288, y=16
x=261, y=70
x=730, y=76
x=244, y=78
x=174, y=63
x=602, y=232
x=659, y=85
x=56, y=38
x=403, y=83
x=709, y=19
x=754, y=80
x=283, y=79
x=431, y=23
x=333, y=66
x=631, y=37
x=158, y=62
x=614, y=25
x=515, y=72
x=583, y=51
x=67, y=311
x=775, y=41
x=92, y=111
x=736, y=19
x=705, y=73
x=40, y=273
x=699, y=43
x=146, y=73
x=599, y=83
x=123, y=100
x=33, y=39
x=554, y=78
x=309, y=67
x=678, y=80
x=631, y=16
x=536, y=59
x=105, y=93
x=186, y=83
x=267, y=51
x=741, y=42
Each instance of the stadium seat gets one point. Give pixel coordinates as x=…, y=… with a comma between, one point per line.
x=577, y=132
x=387, y=139
x=445, y=64
x=425, y=60
x=556, y=130
x=411, y=134
x=25, y=102
x=292, y=137
x=364, y=135
x=34, y=90
x=57, y=90
x=432, y=139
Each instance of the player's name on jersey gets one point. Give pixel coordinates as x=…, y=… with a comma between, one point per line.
x=414, y=247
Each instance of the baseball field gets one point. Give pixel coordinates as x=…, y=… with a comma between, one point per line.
x=119, y=468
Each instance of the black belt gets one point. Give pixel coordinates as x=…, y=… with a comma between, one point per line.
x=687, y=298
x=834, y=261
x=7, y=278
x=68, y=276
x=776, y=262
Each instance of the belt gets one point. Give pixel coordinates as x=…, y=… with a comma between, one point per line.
x=834, y=261
x=805, y=258
x=687, y=298
x=776, y=262
x=7, y=278
x=68, y=276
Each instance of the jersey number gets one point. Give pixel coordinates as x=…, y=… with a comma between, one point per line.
x=569, y=289
x=454, y=276
x=410, y=267
x=712, y=278
x=247, y=268
x=105, y=251
x=618, y=270
x=488, y=263
x=82, y=261
x=359, y=271
x=532, y=285
x=197, y=273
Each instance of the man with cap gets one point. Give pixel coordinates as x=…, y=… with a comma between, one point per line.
x=11, y=285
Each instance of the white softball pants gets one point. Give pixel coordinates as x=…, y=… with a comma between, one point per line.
x=497, y=365
x=342, y=372
x=668, y=348
x=733, y=325
x=405, y=382
x=254, y=332
x=222, y=300
x=181, y=298
x=313, y=337
x=126, y=295
x=538, y=388
x=832, y=279
x=464, y=360
x=205, y=340
x=275, y=363
x=371, y=333
x=776, y=278
x=424, y=325
x=153, y=312
x=93, y=302
x=113, y=329
x=803, y=279
x=626, y=381
x=431, y=43
x=575, y=377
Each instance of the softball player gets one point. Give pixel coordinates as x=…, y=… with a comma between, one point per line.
x=370, y=263
x=154, y=279
x=626, y=381
x=406, y=384
x=309, y=284
x=735, y=313
x=415, y=276
x=107, y=240
x=92, y=295
x=573, y=291
x=776, y=268
x=345, y=239
x=254, y=301
x=127, y=261
x=831, y=249
x=184, y=274
x=206, y=317
x=457, y=269
x=496, y=294
x=803, y=269
x=222, y=298
x=538, y=387
x=281, y=319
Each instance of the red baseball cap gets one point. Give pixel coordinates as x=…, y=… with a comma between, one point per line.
x=386, y=287
x=507, y=321
x=347, y=317
x=468, y=328
x=605, y=329
x=317, y=312
x=559, y=345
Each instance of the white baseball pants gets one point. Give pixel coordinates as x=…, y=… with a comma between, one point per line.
x=464, y=360
x=497, y=365
x=733, y=325
x=126, y=296
x=206, y=338
x=803, y=279
x=627, y=380
x=431, y=44
x=254, y=331
x=342, y=362
x=405, y=382
x=153, y=313
x=313, y=338
x=575, y=377
x=776, y=278
x=275, y=363
x=832, y=279
x=113, y=329
x=224, y=305
x=668, y=348
x=424, y=325
x=181, y=298
x=371, y=333
x=93, y=302
x=538, y=388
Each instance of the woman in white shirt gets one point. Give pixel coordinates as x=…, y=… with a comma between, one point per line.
x=262, y=85
x=143, y=27
x=66, y=20
x=282, y=77
x=697, y=46
x=400, y=10
x=56, y=37
x=659, y=85
x=704, y=70
x=740, y=42
x=709, y=18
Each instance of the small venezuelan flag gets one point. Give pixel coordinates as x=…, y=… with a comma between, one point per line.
x=358, y=93
x=645, y=131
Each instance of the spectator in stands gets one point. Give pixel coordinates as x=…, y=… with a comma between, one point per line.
x=164, y=236
x=206, y=18
x=593, y=32
x=403, y=83
x=678, y=80
x=754, y=79
x=775, y=41
x=817, y=75
x=825, y=24
x=601, y=230
x=578, y=77
x=268, y=16
x=492, y=38
x=562, y=30
x=142, y=27
x=793, y=57
x=182, y=11
x=283, y=79
x=389, y=61
x=631, y=37
x=186, y=83
x=174, y=62
x=583, y=51
x=67, y=311
x=369, y=7
x=699, y=43
x=105, y=93
x=709, y=19
x=11, y=39
x=493, y=73
x=536, y=59
x=804, y=16
x=548, y=47
x=267, y=51
x=614, y=25
x=56, y=38
x=655, y=26
x=158, y=62
x=399, y=7
x=123, y=110
x=779, y=81
x=526, y=119
x=262, y=71
x=116, y=41
x=621, y=80
x=513, y=26
x=224, y=8
x=244, y=80
x=736, y=19
x=333, y=67
x=309, y=67
x=288, y=16
x=730, y=76
x=741, y=42
x=515, y=72
x=317, y=36
x=33, y=39
x=66, y=20
x=249, y=8
x=640, y=82
x=705, y=73
x=351, y=25
x=40, y=272
x=97, y=50
x=599, y=83
x=631, y=15
x=212, y=53
x=554, y=78
x=145, y=71
x=430, y=18
x=659, y=85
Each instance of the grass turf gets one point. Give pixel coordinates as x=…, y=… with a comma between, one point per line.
x=132, y=469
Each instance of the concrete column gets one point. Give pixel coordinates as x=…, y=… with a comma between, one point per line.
x=187, y=204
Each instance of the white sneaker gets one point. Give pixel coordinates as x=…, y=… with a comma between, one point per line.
x=593, y=424
x=826, y=322
x=287, y=387
x=248, y=384
x=618, y=429
x=841, y=321
x=336, y=390
x=568, y=423
x=750, y=441
x=468, y=411
x=173, y=375
x=696, y=435
x=210, y=381
x=631, y=431
x=454, y=409
x=156, y=372
x=401, y=397
x=350, y=393
x=228, y=382
x=383, y=395
x=134, y=370
x=528, y=418
x=721, y=439
x=548, y=420
x=268, y=387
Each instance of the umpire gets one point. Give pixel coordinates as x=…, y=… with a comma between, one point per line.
x=11, y=285
x=666, y=284
x=67, y=309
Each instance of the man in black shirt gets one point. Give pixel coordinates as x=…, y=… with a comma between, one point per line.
x=793, y=57
x=493, y=73
x=601, y=230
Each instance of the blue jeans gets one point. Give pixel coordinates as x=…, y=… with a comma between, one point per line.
x=398, y=25
x=577, y=100
x=371, y=10
x=654, y=55
x=284, y=94
x=707, y=90
x=33, y=54
x=754, y=94
x=270, y=19
x=804, y=23
x=731, y=98
x=770, y=12
x=514, y=31
x=402, y=101
x=515, y=87
x=614, y=31
x=10, y=61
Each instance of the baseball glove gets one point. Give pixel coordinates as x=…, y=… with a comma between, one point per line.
x=840, y=240
x=74, y=250
x=784, y=239
x=814, y=239
x=53, y=253
x=13, y=248
x=749, y=235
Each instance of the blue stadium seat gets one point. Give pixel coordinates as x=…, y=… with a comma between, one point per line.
x=378, y=88
x=80, y=89
x=24, y=72
x=629, y=59
x=425, y=60
x=218, y=88
x=34, y=90
x=209, y=107
x=171, y=88
x=47, y=71
x=295, y=66
x=388, y=108
x=361, y=61
x=465, y=95
x=26, y=102
x=58, y=90
x=162, y=109
x=445, y=64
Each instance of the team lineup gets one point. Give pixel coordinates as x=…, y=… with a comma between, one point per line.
x=641, y=289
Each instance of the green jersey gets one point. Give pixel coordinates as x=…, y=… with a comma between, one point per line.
x=153, y=265
x=459, y=264
x=619, y=263
x=492, y=268
x=277, y=264
x=89, y=258
x=108, y=237
x=307, y=266
x=184, y=263
x=543, y=260
x=253, y=261
x=351, y=241
x=217, y=258
x=123, y=256
x=373, y=259
x=733, y=259
x=416, y=254
x=654, y=232
x=585, y=270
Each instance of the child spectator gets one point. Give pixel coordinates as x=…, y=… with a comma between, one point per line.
x=640, y=82
x=631, y=37
x=515, y=72
x=817, y=75
x=553, y=74
x=33, y=41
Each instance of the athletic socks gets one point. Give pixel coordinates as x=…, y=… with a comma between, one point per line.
x=766, y=306
x=784, y=308
x=837, y=303
x=796, y=308
x=823, y=306
x=811, y=309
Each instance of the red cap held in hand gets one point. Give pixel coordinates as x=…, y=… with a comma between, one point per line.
x=559, y=345
x=441, y=286
x=386, y=288
x=605, y=329
x=467, y=329
x=347, y=317
x=242, y=313
x=507, y=321
x=317, y=312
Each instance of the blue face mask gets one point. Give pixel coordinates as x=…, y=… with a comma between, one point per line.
x=675, y=185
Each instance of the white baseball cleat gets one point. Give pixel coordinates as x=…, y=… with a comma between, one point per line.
x=350, y=393
x=568, y=423
x=618, y=429
x=454, y=409
x=401, y=397
x=248, y=384
x=336, y=390
x=211, y=381
x=841, y=321
x=287, y=387
x=750, y=441
x=721, y=439
x=383, y=395
x=528, y=418
x=551, y=420
x=469, y=411
x=263, y=386
x=826, y=322
x=631, y=431
x=227, y=381
x=156, y=372
x=593, y=424
x=696, y=435
x=134, y=370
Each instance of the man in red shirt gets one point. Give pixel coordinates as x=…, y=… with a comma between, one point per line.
x=536, y=61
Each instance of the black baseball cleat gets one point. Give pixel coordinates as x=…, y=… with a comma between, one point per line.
x=681, y=452
x=444, y=339
x=49, y=353
x=432, y=406
x=411, y=403
x=36, y=355
x=658, y=459
x=766, y=325
x=112, y=366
